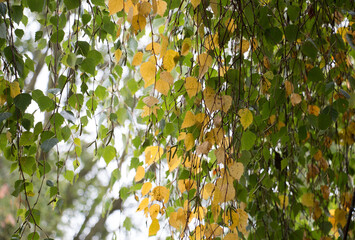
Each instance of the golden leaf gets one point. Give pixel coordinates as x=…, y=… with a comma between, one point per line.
x=154, y=210
x=153, y=154
x=236, y=170
x=243, y=221
x=148, y=71
x=170, y=59
x=182, y=136
x=289, y=88
x=192, y=86
x=150, y=101
x=205, y=61
x=137, y=59
x=173, y=159
x=204, y=148
x=129, y=6
x=231, y=236
x=189, y=141
x=195, y=3
x=139, y=174
x=189, y=120
x=161, y=193
x=308, y=199
x=154, y=227
x=226, y=103
x=283, y=201
x=295, y=99
x=186, y=45
x=154, y=47
x=115, y=6
x=138, y=22
x=14, y=89
x=144, y=8
x=211, y=42
x=167, y=77
x=314, y=110
x=163, y=45
x=220, y=155
x=144, y=203
x=226, y=188
x=146, y=188
x=245, y=46
x=246, y=117
x=161, y=7
x=118, y=54
x=207, y=190
x=162, y=87
x=181, y=185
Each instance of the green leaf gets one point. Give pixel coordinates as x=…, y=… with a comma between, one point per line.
x=248, y=140
x=4, y=116
x=99, y=2
x=34, y=216
x=45, y=104
x=26, y=139
x=71, y=4
x=315, y=75
x=35, y=5
x=96, y=56
x=291, y=32
x=293, y=12
x=38, y=35
x=124, y=193
x=88, y=65
x=109, y=153
x=127, y=223
x=33, y=236
x=324, y=121
x=273, y=35
x=101, y=92
x=48, y=144
x=22, y=101
x=57, y=36
x=310, y=50
x=69, y=175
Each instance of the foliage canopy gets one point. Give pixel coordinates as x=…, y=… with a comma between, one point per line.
x=236, y=117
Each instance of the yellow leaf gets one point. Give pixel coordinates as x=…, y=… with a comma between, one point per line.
x=137, y=59
x=181, y=185
x=231, y=236
x=192, y=86
x=144, y=8
x=283, y=201
x=161, y=7
x=153, y=154
x=154, y=210
x=150, y=101
x=77, y=142
x=167, y=77
x=308, y=199
x=118, y=54
x=186, y=45
x=207, y=190
x=182, y=136
x=295, y=99
x=231, y=25
x=154, y=47
x=161, y=193
x=146, y=188
x=245, y=46
x=173, y=159
x=148, y=71
x=243, y=221
x=289, y=88
x=139, y=174
x=130, y=7
x=195, y=3
x=220, y=155
x=189, y=141
x=115, y=6
x=204, y=148
x=144, y=203
x=14, y=89
x=226, y=103
x=246, y=117
x=236, y=170
x=162, y=86
x=163, y=45
x=154, y=227
x=138, y=22
x=205, y=61
x=189, y=120
x=211, y=42
x=170, y=59
x=226, y=188
x=314, y=110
